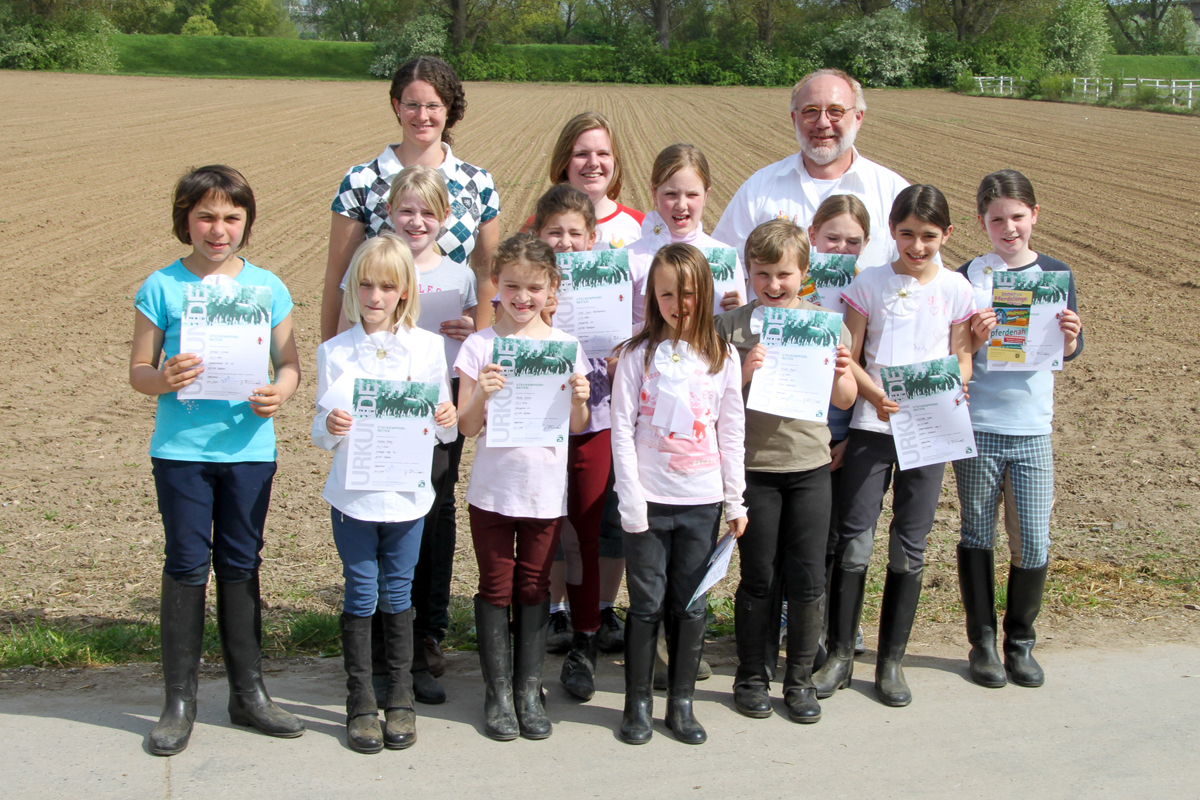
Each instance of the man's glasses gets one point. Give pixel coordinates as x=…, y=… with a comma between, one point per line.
x=813, y=113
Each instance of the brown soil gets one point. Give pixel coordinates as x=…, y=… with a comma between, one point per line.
x=87, y=164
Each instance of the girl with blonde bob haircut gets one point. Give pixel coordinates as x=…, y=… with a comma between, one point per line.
x=378, y=533
x=384, y=260
x=678, y=425
x=428, y=185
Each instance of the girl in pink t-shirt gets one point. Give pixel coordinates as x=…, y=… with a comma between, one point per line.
x=517, y=496
x=902, y=313
x=678, y=429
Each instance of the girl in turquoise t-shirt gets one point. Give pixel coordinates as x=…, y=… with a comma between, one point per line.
x=214, y=460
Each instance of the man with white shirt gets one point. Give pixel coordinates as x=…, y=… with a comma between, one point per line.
x=827, y=111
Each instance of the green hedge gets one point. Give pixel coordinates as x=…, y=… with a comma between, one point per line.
x=165, y=54
x=1161, y=67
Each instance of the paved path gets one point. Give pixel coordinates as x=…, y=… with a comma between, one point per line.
x=1107, y=724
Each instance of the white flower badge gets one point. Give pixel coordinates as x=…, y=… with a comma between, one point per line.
x=675, y=363
x=901, y=295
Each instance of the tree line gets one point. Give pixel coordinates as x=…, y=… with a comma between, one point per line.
x=769, y=42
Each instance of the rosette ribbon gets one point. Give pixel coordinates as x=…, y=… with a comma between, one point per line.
x=675, y=362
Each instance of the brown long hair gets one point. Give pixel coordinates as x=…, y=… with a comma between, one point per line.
x=836, y=205
x=442, y=78
x=578, y=125
x=691, y=270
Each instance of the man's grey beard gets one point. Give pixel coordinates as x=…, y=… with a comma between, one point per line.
x=826, y=155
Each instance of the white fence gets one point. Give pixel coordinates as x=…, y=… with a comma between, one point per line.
x=1173, y=92
x=1002, y=85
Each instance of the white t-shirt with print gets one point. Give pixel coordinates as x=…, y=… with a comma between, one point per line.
x=515, y=481
x=619, y=229
x=906, y=323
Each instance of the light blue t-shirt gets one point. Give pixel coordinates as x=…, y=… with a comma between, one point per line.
x=205, y=430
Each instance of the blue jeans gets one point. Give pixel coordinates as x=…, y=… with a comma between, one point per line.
x=378, y=559
x=212, y=511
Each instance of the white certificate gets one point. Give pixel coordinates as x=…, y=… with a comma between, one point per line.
x=933, y=424
x=828, y=275
x=723, y=263
x=229, y=326
x=392, y=438
x=1027, y=337
x=436, y=308
x=595, y=299
x=796, y=378
x=534, y=407
x=718, y=566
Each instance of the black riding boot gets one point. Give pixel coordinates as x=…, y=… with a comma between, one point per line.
x=181, y=625
x=901, y=592
x=426, y=687
x=1025, y=588
x=579, y=668
x=845, y=601
x=532, y=627
x=495, y=660
x=363, y=733
x=400, y=719
x=239, y=619
x=822, y=645
x=685, y=643
x=804, y=631
x=641, y=646
x=977, y=583
x=754, y=622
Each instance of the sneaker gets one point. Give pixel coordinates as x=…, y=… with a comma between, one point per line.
x=859, y=647
x=611, y=636
x=559, y=640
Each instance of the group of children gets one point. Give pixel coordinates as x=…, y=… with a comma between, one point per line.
x=659, y=425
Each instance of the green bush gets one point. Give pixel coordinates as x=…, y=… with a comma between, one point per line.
x=1145, y=94
x=883, y=49
x=965, y=83
x=199, y=25
x=423, y=36
x=1077, y=37
x=1054, y=87
x=78, y=42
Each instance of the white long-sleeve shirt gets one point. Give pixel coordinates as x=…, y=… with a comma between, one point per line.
x=654, y=465
x=786, y=190
x=641, y=255
x=424, y=361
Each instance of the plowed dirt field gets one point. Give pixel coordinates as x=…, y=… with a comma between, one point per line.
x=87, y=164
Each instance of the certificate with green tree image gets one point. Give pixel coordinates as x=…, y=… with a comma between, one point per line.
x=391, y=440
x=933, y=424
x=723, y=263
x=229, y=326
x=534, y=407
x=828, y=275
x=1027, y=336
x=796, y=378
x=595, y=299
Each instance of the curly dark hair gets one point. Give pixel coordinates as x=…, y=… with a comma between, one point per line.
x=441, y=77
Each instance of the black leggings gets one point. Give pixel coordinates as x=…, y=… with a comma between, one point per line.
x=786, y=534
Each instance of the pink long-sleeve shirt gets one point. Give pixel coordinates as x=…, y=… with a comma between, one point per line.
x=654, y=465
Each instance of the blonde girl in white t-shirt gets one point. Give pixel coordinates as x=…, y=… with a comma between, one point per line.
x=678, y=430
x=906, y=312
x=517, y=498
x=378, y=534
